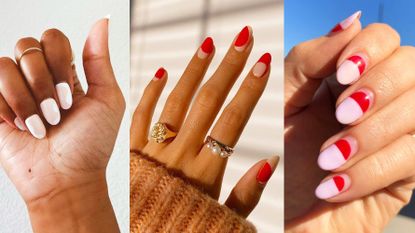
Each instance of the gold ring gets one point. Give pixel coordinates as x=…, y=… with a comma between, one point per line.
x=27, y=51
x=160, y=132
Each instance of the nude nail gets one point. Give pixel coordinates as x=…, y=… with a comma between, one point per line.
x=50, y=111
x=35, y=126
x=262, y=65
x=64, y=95
x=333, y=186
x=19, y=123
x=337, y=154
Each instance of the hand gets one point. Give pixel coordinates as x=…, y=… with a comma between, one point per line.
x=187, y=152
x=371, y=159
x=61, y=174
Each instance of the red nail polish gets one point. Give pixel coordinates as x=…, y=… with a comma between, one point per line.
x=339, y=181
x=264, y=173
x=362, y=99
x=242, y=38
x=262, y=65
x=207, y=45
x=344, y=147
x=343, y=25
x=160, y=73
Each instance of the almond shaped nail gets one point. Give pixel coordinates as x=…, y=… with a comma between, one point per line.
x=50, y=111
x=333, y=186
x=337, y=154
x=351, y=69
x=243, y=38
x=64, y=95
x=354, y=106
x=343, y=25
x=262, y=65
x=206, y=48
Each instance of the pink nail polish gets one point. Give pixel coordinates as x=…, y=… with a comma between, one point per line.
x=333, y=186
x=351, y=69
x=337, y=154
x=343, y=25
x=354, y=106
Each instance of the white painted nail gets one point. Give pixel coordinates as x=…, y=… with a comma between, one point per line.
x=50, y=111
x=35, y=126
x=337, y=154
x=333, y=186
x=19, y=123
x=64, y=95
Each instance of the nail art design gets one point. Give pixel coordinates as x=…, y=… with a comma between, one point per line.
x=354, y=106
x=333, y=186
x=351, y=69
x=337, y=154
x=262, y=65
x=19, y=123
x=266, y=171
x=64, y=95
x=159, y=74
x=36, y=126
x=50, y=111
x=242, y=40
x=206, y=48
x=343, y=25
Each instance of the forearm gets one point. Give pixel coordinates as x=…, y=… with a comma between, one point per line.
x=75, y=210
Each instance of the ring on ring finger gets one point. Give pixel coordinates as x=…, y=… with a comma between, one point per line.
x=218, y=148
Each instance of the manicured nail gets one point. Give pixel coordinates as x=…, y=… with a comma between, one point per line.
x=19, y=123
x=337, y=154
x=64, y=95
x=343, y=25
x=50, y=111
x=243, y=38
x=265, y=173
x=262, y=65
x=354, y=106
x=35, y=126
x=351, y=69
x=206, y=48
x=159, y=74
x=333, y=186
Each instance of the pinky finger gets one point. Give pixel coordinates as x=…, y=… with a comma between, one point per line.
x=143, y=114
x=247, y=192
x=7, y=115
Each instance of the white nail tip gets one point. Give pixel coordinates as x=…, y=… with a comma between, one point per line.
x=348, y=73
x=64, y=94
x=331, y=158
x=349, y=21
x=35, y=126
x=50, y=111
x=348, y=111
x=259, y=69
x=19, y=124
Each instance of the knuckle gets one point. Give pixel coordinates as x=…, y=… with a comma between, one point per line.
x=233, y=117
x=298, y=50
x=385, y=29
x=6, y=63
x=233, y=61
x=252, y=86
x=408, y=52
x=208, y=96
x=26, y=40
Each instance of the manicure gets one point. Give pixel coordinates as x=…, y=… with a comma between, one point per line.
x=333, y=186
x=35, y=126
x=64, y=95
x=354, y=106
x=159, y=74
x=243, y=38
x=351, y=69
x=337, y=154
x=50, y=111
x=266, y=171
x=343, y=25
x=206, y=48
x=261, y=67
x=19, y=123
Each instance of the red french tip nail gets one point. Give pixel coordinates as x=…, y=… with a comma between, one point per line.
x=362, y=99
x=207, y=45
x=344, y=147
x=160, y=73
x=266, y=58
x=339, y=181
x=264, y=173
x=243, y=37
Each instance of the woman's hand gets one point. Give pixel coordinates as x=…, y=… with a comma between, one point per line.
x=187, y=152
x=361, y=133
x=57, y=157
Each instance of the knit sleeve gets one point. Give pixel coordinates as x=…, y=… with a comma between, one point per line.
x=163, y=202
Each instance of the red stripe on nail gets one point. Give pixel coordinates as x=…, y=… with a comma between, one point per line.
x=336, y=28
x=243, y=37
x=207, y=45
x=359, y=61
x=264, y=174
x=339, y=181
x=362, y=99
x=344, y=147
x=160, y=73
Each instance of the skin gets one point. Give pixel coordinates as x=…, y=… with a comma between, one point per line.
x=62, y=177
x=381, y=172
x=187, y=153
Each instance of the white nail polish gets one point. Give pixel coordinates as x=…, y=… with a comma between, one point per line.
x=108, y=16
x=50, y=111
x=19, y=123
x=64, y=95
x=333, y=186
x=36, y=126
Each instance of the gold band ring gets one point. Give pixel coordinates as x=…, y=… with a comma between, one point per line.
x=160, y=132
x=27, y=51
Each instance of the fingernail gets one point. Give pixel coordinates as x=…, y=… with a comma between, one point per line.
x=265, y=173
x=19, y=123
x=333, y=186
x=354, y=106
x=206, y=48
x=108, y=16
x=343, y=25
x=159, y=74
x=35, y=126
x=243, y=38
x=50, y=111
x=337, y=154
x=64, y=95
x=262, y=65
x=351, y=69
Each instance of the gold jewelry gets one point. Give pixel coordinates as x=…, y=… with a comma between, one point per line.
x=160, y=132
x=27, y=51
x=218, y=148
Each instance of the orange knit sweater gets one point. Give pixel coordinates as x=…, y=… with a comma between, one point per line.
x=165, y=203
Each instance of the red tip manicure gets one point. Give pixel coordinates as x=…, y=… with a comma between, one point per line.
x=339, y=181
x=264, y=173
x=207, y=45
x=362, y=99
x=243, y=37
x=160, y=73
x=266, y=58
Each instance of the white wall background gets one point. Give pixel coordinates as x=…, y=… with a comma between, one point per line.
x=168, y=32
x=30, y=18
